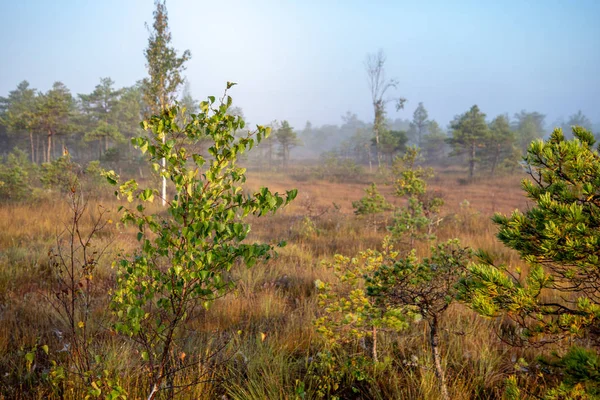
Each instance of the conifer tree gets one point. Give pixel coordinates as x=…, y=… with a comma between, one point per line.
x=53, y=111
x=469, y=133
x=165, y=68
x=559, y=237
x=419, y=125
x=287, y=139
x=371, y=204
x=417, y=219
x=434, y=143
x=17, y=112
x=100, y=109
x=577, y=119
x=500, y=142
x=528, y=126
x=391, y=143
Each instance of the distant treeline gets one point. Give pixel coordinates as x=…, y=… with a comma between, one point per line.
x=100, y=124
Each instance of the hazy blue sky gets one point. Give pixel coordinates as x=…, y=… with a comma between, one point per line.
x=304, y=60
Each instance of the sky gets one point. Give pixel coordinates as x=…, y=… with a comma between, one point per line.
x=304, y=60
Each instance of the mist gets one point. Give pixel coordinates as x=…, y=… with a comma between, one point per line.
x=305, y=61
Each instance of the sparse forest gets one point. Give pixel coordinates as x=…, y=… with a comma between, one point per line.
x=156, y=246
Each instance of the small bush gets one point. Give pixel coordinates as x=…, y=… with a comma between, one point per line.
x=60, y=174
x=336, y=169
x=15, y=176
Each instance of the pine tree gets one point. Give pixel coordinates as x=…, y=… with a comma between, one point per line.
x=577, y=119
x=434, y=143
x=559, y=237
x=129, y=111
x=419, y=125
x=165, y=68
x=469, y=133
x=391, y=143
x=528, y=126
x=100, y=109
x=371, y=204
x=287, y=138
x=418, y=218
x=53, y=111
x=500, y=142
x=17, y=112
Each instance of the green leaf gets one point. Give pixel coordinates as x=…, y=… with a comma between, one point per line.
x=190, y=244
x=147, y=195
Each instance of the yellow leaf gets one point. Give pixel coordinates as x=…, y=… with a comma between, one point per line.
x=81, y=324
x=263, y=336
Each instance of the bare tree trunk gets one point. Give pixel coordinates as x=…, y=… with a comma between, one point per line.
x=53, y=154
x=437, y=358
x=32, y=149
x=472, y=162
x=496, y=158
x=37, y=153
x=49, y=149
x=493, y=171
x=374, y=349
x=377, y=149
x=164, y=179
x=270, y=154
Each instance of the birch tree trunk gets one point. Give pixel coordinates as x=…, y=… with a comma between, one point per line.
x=437, y=358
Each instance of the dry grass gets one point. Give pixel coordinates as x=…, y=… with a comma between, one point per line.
x=267, y=322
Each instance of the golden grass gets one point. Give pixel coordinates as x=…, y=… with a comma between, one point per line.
x=267, y=321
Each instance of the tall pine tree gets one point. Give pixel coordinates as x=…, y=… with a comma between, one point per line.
x=165, y=68
x=419, y=125
x=18, y=112
x=100, y=109
x=469, y=132
x=53, y=112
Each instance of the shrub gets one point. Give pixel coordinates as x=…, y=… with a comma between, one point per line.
x=371, y=204
x=419, y=217
x=185, y=254
x=61, y=174
x=15, y=176
x=337, y=169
